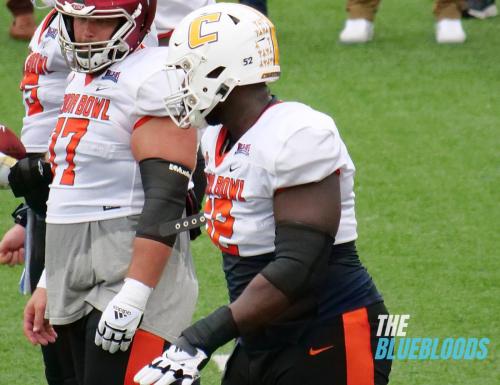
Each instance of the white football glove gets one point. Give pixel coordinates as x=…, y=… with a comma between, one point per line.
x=173, y=365
x=6, y=162
x=122, y=316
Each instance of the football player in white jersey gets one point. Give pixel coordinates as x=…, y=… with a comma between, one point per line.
x=280, y=206
x=42, y=86
x=121, y=170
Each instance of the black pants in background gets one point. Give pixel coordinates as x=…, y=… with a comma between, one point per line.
x=260, y=5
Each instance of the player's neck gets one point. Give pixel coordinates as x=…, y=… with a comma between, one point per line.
x=244, y=111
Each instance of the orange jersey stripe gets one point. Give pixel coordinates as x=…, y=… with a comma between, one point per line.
x=359, y=358
x=145, y=348
x=219, y=155
x=165, y=34
x=88, y=79
x=142, y=120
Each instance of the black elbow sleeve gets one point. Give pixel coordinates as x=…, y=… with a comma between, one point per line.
x=30, y=178
x=165, y=187
x=301, y=259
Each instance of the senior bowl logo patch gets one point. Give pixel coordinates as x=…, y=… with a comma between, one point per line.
x=243, y=149
x=111, y=75
x=52, y=33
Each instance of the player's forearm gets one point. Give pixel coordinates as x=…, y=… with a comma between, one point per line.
x=149, y=259
x=258, y=305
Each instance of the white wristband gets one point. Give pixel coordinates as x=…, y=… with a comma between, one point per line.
x=6, y=162
x=42, y=282
x=135, y=293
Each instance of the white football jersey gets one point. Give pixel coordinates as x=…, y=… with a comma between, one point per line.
x=170, y=12
x=43, y=84
x=95, y=174
x=291, y=144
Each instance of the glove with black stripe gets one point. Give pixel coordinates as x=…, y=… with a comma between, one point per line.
x=182, y=361
x=122, y=316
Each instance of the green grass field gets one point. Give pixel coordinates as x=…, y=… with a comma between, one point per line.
x=422, y=123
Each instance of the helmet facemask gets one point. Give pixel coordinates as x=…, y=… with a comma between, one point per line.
x=197, y=92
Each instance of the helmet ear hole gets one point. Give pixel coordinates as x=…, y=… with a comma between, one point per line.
x=215, y=73
x=222, y=91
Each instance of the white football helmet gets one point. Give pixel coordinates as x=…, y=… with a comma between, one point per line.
x=215, y=49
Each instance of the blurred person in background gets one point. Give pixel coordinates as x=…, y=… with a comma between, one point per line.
x=361, y=15
x=170, y=12
x=481, y=9
x=260, y=5
x=24, y=25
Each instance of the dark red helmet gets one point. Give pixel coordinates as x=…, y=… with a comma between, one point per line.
x=136, y=17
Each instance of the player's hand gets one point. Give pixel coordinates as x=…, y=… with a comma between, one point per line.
x=36, y=328
x=122, y=316
x=12, y=246
x=175, y=365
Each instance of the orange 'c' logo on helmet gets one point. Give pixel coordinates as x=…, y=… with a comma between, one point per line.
x=196, y=39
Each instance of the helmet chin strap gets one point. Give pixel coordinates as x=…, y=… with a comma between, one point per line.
x=198, y=119
x=209, y=109
x=98, y=59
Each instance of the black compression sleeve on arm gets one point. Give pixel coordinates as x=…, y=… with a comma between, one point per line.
x=165, y=187
x=209, y=333
x=29, y=174
x=301, y=259
x=30, y=178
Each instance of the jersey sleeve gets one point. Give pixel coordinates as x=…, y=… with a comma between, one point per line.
x=37, y=36
x=151, y=39
x=152, y=93
x=309, y=155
